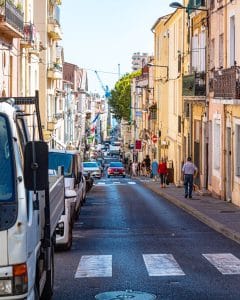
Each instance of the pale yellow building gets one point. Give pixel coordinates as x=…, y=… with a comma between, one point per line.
x=224, y=102
x=169, y=44
x=194, y=58
x=47, y=20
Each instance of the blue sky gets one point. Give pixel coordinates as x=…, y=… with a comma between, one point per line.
x=102, y=34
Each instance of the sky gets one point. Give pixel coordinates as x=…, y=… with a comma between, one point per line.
x=102, y=35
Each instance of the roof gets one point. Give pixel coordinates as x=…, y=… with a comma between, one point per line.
x=160, y=19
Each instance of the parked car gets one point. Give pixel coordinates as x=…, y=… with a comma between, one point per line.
x=93, y=168
x=89, y=181
x=116, y=169
x=75, y=191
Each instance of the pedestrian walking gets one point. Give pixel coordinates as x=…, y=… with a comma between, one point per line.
x=162, y=171
x=130, y=168
x=189, y=172
x=154, y=169
x=139, y=169
x=147, y=161
x=143, y=168
x=134, y=169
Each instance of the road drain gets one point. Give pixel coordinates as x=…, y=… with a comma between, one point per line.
x=124, y=295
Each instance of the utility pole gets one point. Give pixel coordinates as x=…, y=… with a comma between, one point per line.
x=119, y=71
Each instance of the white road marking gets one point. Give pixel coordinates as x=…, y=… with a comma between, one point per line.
x=94, y=266
x=162, y=265
x=101, y=183
x=117, y=182
x=226, y=263
x=131, y=182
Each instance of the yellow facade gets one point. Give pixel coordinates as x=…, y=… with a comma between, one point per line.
x=169, y=44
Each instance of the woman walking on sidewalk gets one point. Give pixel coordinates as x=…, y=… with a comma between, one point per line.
x=162, y=171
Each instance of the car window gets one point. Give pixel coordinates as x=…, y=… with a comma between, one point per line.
x=116, y=164
x=56, y=159
x=90, y=164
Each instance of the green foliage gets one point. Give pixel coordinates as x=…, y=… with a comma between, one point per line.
x=120, y=100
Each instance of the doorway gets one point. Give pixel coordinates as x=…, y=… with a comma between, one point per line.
x=228, y=173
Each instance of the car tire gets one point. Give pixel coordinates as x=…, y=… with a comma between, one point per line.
x=108, y=176
x=124, y=176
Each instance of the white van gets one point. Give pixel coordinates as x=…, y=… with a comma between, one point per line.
x=75, y=192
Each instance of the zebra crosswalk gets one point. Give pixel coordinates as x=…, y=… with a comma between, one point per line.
x=111, y=183
x=155, y=264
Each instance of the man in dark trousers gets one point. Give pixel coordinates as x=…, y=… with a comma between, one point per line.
x=189, y=171
x=147, y=161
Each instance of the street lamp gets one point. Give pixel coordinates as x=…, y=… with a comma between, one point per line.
x=160, y=66
x=180, y=6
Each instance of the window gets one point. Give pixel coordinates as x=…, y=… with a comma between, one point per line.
x=212, y=54
x=212, y=4
x=55, y=160
x=216, y=144
x=237, y=150
x=6, y=163
x=232, y=41
x=221, y=50
x=179, y=124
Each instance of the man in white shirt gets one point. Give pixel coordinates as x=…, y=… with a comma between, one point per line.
x=189, y=171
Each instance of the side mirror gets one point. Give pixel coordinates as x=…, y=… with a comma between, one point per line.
x=36, y=166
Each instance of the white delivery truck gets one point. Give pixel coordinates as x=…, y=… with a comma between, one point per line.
x=30, y=205
x=75, y=192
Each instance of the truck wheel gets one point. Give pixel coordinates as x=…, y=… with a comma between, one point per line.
x=48, y=288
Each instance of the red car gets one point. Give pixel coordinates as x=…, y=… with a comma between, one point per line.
x=116, y=169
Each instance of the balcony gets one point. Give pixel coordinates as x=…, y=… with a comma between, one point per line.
x=52, y=124
x=11, y=20
x=153, y=112
x=30, y=37
x=54, y=29
x=194, y=87
x=226, y=83
x=196, y=4
x=55, y=71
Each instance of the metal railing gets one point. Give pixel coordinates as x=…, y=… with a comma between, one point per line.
x=14, y=16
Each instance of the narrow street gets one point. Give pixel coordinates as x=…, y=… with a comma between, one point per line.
x=129, y=238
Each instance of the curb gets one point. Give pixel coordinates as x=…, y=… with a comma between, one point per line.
x=219, y=227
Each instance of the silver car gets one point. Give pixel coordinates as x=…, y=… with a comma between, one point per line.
x=93, y=168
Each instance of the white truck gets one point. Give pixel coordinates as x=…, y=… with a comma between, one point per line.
x=30, y=205
x=115, y=148
x=75, y=192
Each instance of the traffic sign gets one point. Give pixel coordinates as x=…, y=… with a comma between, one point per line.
x=154, y=139
x=138, y=144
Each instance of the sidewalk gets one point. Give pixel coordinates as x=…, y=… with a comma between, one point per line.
x=220, y=215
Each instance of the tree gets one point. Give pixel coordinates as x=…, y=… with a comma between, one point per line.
x=120, y=99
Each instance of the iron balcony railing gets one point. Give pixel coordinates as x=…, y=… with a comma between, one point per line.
x=226, y=83
x=29, y=33
x=13, y=16
x=194, y=84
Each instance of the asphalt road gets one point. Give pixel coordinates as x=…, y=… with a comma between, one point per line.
x=128, y=238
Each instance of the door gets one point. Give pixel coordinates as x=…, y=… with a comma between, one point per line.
x=228, y=173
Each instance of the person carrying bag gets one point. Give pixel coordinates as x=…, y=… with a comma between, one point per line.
x=162, y=171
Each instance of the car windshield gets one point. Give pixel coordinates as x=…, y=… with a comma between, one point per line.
x=56, y=160
x=90, y=165
x=6, y=163
x=116, y=164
